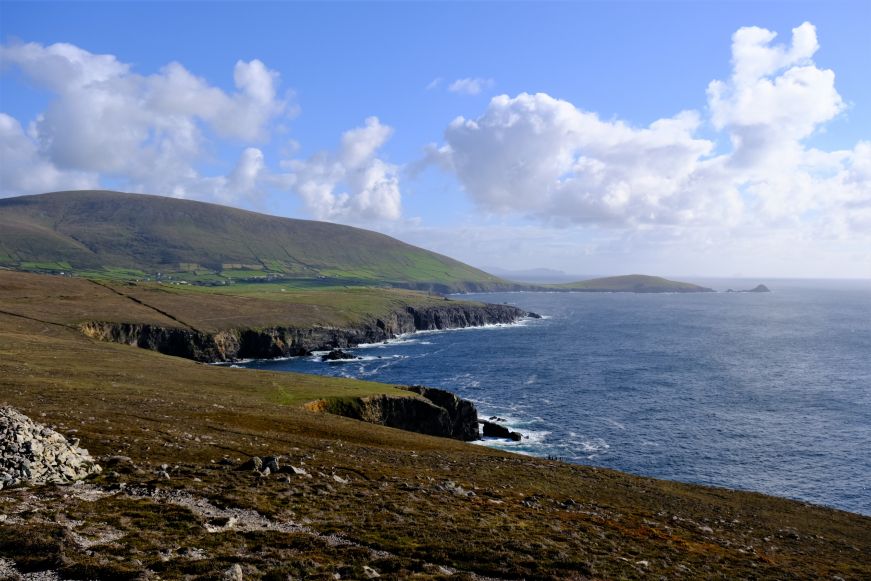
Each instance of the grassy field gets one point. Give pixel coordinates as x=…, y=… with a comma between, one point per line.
x=73, y=300
x=405, y=505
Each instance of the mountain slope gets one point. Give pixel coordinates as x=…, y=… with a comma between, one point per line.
x=132, y=234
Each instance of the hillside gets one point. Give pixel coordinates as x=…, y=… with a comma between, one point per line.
x=633, y=283
x=118, y=236
x=127, y=236
x=175, y=501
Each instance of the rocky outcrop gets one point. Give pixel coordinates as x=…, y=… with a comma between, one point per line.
x=235, y=344
x=31, y=453
x=406, y=413
x=461, y=412
x=494, y=430
x=338, y=355
x=435, y=412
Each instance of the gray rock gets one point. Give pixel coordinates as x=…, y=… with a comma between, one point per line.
x=32, y=453
x=234, y=573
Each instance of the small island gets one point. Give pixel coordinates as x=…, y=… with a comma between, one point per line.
x=759, y=288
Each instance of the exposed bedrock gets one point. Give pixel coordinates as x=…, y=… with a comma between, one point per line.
x=461, y=412
x=434, y=412
x=234, y=344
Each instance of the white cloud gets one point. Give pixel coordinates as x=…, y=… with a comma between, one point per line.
x=775, y=87
x=23, y=170
x=148, y=132
x=470, y=86
x=351, y=184
x=542, y=156
x=535, y=155
x=434, y=84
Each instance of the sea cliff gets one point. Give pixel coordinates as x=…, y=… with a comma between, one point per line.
x=431, y=411
x=248, y=343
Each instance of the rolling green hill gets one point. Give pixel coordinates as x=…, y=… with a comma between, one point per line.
x=119, y=235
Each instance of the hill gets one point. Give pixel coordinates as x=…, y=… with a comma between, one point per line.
x=128, y=236
x=633, y=283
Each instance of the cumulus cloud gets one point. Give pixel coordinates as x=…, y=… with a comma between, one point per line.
x=147, y=131
x=470, y=86
x=352, y=183
x=24, y=170
x=543, y=156
x=535, y=155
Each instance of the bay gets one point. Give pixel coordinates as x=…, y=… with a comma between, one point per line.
x=764, y=392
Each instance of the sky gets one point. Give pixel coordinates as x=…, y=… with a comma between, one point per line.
x=700, y=138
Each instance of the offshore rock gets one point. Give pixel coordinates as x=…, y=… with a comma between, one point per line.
x=337, y=355
x=31, y=453
x=493, y=430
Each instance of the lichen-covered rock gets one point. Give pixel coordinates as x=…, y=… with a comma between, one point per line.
x=31, y=453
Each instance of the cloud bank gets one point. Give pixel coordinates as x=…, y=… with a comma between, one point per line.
x=542, y=157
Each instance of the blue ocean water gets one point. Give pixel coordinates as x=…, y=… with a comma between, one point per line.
x=765, y=392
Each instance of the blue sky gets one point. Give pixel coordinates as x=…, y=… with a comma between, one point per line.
x=572, y=152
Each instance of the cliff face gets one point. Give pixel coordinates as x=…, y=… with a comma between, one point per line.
x=462, y=413
x=233, y=344
x=436, y=412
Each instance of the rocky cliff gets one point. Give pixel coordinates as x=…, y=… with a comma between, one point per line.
x=234, y=344
x=462, y=413
x=436, y=412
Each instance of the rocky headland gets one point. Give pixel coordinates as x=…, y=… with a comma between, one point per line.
x=434, y=412
x=270, y=342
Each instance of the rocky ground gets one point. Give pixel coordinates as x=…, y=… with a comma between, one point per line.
x=31, y=453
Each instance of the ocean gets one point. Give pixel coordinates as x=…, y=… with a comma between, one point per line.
x=765, y=392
